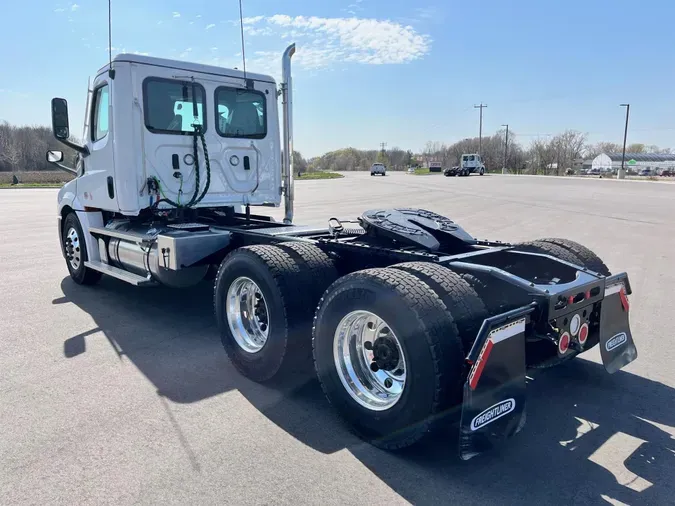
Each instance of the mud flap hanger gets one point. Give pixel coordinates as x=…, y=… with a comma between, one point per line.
x=493, y=407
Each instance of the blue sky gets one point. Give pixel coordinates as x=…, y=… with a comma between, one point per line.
x=371, y=71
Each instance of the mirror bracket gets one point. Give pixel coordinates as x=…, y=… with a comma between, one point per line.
x=60, y=126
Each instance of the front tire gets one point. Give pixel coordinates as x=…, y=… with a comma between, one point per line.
x=75, y=249
x=390, y=318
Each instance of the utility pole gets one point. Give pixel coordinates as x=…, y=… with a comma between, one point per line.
x=622, y=172
x=382, y=151
x=480, y=128
x=506, y=149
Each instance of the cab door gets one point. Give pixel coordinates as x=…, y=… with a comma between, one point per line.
x=96, y=184
x=241, y=124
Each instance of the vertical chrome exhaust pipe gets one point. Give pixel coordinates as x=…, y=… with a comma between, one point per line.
x=287, y=160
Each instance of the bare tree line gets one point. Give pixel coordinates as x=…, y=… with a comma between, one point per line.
x=349, y=159
x=552, y=155
x=24, y=148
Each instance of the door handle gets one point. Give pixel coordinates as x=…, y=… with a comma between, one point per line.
x=247, y=163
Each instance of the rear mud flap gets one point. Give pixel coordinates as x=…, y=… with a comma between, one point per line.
x=616, y=341
x=493, y=407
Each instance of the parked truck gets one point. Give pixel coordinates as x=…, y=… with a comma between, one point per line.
x=469, y=164
x=411, y=322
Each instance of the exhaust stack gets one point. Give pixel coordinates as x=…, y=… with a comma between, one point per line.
x=287, y=160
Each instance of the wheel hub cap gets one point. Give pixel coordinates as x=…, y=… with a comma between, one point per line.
x=247, y=314
x=72, y=247
x=369, y=360
x=385, y=353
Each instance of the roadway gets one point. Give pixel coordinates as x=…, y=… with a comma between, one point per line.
x=117, y=395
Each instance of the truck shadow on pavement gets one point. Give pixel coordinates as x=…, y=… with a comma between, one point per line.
x=590, y=437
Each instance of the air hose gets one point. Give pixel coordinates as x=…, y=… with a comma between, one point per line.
x=197, y=133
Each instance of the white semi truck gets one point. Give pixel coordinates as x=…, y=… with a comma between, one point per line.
x=469, y=163
x=411, y=322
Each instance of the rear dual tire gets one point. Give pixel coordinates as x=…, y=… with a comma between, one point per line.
x=415, y=320
x=429, y=315
x=264, y=300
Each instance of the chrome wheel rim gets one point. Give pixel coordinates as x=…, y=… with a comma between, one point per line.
x=369, y=360
x=247, y=314
x=73, y=251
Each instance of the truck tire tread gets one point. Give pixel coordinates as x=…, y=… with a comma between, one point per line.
x=589, y=258
x=317, y=267
x=542, y=246
x=417, y=308
x=466, y=308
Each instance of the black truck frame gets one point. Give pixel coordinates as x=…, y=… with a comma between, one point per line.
x=504, y=308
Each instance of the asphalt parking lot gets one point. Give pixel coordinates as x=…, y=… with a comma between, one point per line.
x=118, y=395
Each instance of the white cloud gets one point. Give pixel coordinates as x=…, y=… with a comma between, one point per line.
x=323, y=42
x=199, y=16
x=252, y=20
x=209, y=26
x=429, y=15
x=176, y=14
x=59, y=10
x=74, y=7
x=15, y=93
x=253, y=32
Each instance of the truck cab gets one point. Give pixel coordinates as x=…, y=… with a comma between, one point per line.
x=153, y=126
x=472, y=163
x=469, y=163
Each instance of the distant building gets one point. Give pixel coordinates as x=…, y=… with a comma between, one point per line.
x=635, y=162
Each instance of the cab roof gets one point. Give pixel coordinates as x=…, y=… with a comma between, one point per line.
x=189, y=67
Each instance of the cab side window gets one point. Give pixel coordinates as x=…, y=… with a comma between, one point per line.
x=99, y=123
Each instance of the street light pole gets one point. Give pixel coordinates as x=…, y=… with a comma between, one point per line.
x=622, y=172
x=506, y=149
x=480, y=128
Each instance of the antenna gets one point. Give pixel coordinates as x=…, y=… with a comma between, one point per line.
x=241, y=24
x=111, y=72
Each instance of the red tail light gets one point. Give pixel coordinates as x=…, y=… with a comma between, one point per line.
x=564, y=343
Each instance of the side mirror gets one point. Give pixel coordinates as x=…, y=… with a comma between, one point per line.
x=60, y=125
x=54, y=156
